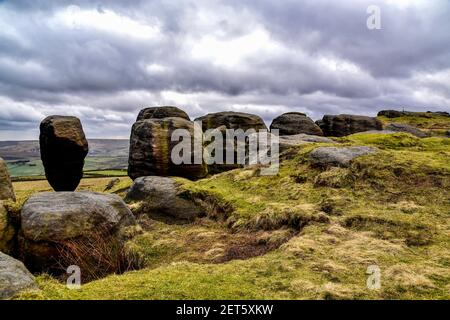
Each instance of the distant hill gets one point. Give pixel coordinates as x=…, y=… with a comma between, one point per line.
x=24, y=158
x=20, y=150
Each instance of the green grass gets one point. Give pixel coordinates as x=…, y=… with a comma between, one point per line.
x=391, y=209
x=433, y=124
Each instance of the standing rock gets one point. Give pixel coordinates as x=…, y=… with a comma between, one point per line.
x=163, y=198
x=63, y=150
x=161, y=113
x=401, y=127
x=151, y=149
x=344, y=124
x=6, y=188
x=337, y=157
x=50, y=220
x=14, y=277
x=293, y=123
x=232, y=120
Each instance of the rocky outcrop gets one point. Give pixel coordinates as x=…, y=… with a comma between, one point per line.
x=337, y=157
x=63, y=150
x=232, y=120
x=6, y=188
x=396, y=114
x=293, y=123
x=161, y=113
x=49, y=221
x=151, y=148
x=163, y=198
x=401, y=127
x=14, y=277
x=344, y=124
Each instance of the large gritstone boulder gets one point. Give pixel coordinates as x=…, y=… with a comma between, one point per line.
x=337, y=157
x=222, y=121
x=55, y=226
x=163, y=198
x=63, y=150
x=293, y=123
x=151, y=149
x=344, y=124
x=14, y=277
x=401, y=127
x=232, y=120
x=6, y=188
x=161, y=113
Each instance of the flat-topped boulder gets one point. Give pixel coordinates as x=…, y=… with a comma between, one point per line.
x=50, y=221
x=163, y=198
x=63, y=150
x=401, y=127
x=232, y=120
x=151, y=147
x=161, y=113
x=345, y=124
x=337, y=157
x=6, y=187
x=14, y=277
x=293, y=123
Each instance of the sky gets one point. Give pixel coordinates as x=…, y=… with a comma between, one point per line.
x=103, y=61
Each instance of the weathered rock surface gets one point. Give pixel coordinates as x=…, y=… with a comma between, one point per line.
x=293, y=123
x=49, y=220
x=344, y=124
x=14, y=277
x=63, y=150
x=232, y=120
x=401, y=127
x=151, y=148
x=6, y=187
x=164, y=198
x=338, y=157
x=7, y=230
x=161, y=113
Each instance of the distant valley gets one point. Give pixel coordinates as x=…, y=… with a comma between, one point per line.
x=23, y=157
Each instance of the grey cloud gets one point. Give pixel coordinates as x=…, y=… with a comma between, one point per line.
x=105, y=77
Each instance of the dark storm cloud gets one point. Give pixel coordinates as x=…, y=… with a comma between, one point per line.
x=104, y=61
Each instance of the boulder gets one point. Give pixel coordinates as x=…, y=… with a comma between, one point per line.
x=391, y=113
x=163, y=197
x=49, y=221
x=6, y=187
x=14, y=277
x=161, y=113
x=337, y=157
x=151, y=148
x=401, y=127
x=344, y=124
x=293, y=123
x=63, y=150
x=7, y=230
x=232, y=120
x=396, y=114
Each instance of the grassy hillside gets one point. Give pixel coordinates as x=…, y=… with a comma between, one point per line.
x=307, y=233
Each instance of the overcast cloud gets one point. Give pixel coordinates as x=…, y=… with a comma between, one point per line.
x=104, y=61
